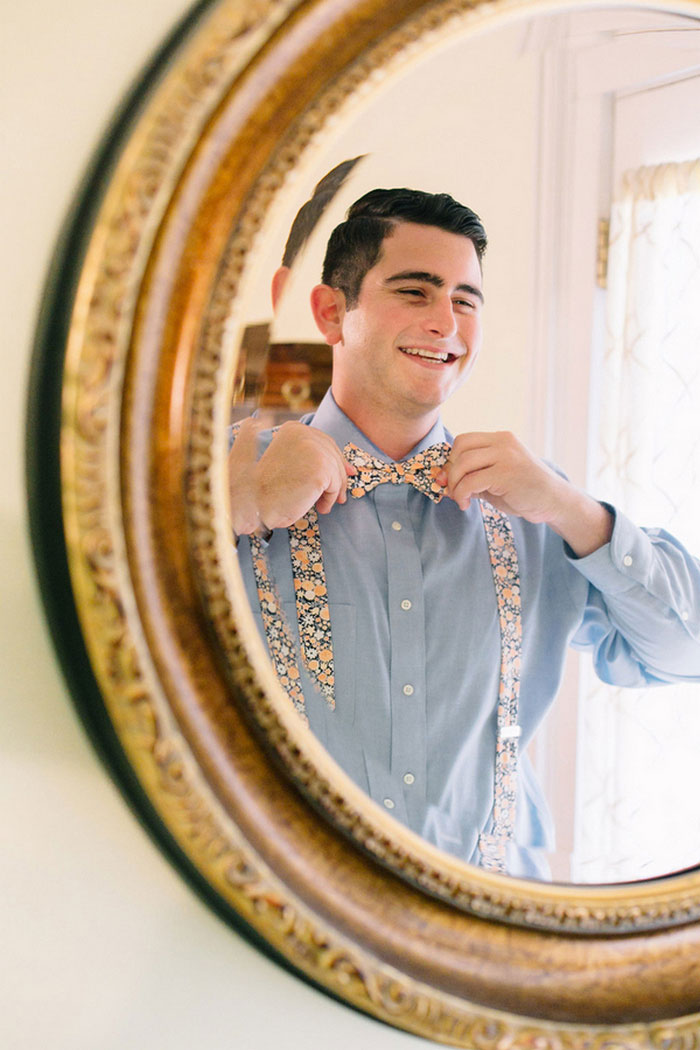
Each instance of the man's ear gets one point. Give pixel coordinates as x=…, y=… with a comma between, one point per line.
x=279, y=281
x=328, y=308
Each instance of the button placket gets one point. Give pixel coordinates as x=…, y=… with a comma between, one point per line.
x=407, y=631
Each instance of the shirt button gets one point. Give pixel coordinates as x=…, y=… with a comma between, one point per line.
x=405, y=604
x=408, y=778
x=685, y=615
x=396, y=526
x=408, y=690
x=627, y=560
x=389, y=803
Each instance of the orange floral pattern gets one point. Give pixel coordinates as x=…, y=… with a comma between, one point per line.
x=506, y=577
x=311, y=594
x=277, y=631
x=420, y=471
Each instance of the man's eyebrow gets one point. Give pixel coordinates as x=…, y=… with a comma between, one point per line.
x=434, y=279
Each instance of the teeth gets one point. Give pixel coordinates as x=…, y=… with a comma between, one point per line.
x=431, y=355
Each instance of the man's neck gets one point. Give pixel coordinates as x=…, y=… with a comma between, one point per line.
x=394, y=436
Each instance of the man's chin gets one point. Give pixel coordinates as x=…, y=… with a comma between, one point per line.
x=425, y=408
x=428, y=401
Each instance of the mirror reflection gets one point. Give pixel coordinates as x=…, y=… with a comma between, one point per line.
x=424, y=617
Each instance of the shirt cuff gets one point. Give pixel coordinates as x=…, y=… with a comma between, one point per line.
x=620, y=564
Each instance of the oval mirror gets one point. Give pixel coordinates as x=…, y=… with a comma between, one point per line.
x=587, y=87
x=128, y=467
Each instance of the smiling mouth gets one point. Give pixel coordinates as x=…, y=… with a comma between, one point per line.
x=441, y=356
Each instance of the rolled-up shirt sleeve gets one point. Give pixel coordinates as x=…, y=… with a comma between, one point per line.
x=642, y=618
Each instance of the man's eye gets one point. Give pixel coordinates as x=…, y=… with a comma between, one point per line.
x=466, y=304
x=416, y=292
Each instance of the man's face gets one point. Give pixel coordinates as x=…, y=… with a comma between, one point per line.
x=415, y=332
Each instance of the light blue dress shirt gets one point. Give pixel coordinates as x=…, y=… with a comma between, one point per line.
x=416, y=643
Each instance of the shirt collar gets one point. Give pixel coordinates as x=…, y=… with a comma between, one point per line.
x=333, y=421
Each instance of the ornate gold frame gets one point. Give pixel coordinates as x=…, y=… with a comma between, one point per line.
x=197, y=730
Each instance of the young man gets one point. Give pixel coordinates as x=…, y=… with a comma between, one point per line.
x=449, y=620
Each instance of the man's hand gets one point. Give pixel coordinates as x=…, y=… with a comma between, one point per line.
x=302, y=467
x=503, y=471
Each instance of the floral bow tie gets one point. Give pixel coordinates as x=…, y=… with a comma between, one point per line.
x=420, y=471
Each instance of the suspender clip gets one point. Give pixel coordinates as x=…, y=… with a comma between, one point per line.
x=509, y=732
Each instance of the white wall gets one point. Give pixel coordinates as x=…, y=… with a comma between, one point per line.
x=103, y=946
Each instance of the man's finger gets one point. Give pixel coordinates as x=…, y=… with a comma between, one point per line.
x=465, y=464
x=476, y=483
x=246, y=437
x=336, y=491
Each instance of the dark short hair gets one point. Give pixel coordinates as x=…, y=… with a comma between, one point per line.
x=309, y=214
x=355, y=246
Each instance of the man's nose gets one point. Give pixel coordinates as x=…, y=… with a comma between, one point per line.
x=441, y=319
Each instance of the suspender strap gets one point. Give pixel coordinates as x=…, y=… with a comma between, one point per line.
x=506, y=578
x=279, y=637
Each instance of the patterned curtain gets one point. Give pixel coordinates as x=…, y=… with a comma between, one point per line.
x=638, y=791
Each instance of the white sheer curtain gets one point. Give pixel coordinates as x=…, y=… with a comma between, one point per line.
x=638, y=792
